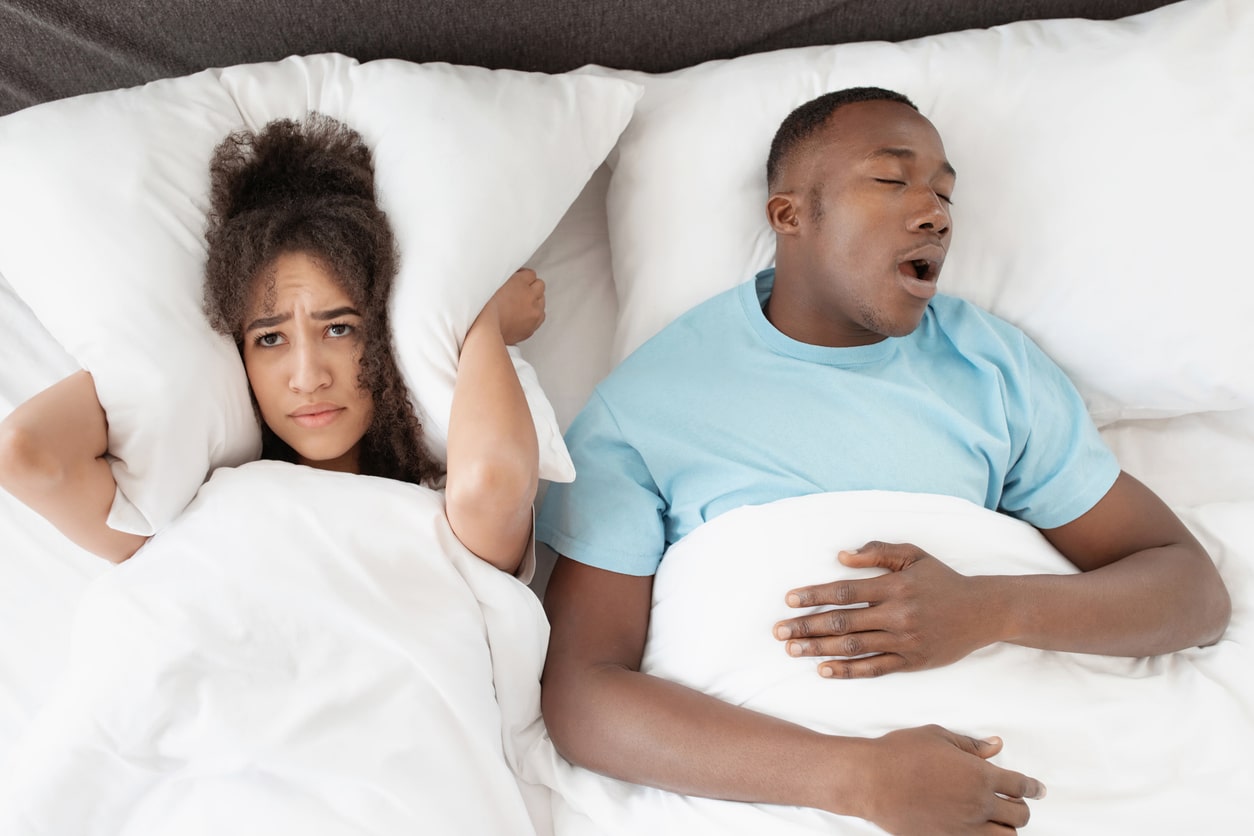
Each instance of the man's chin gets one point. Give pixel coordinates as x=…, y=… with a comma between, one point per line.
x=899, y=327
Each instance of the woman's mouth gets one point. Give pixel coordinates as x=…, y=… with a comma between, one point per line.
x=315, y=416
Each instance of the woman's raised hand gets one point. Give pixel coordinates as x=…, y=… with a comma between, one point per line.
x=518, y=306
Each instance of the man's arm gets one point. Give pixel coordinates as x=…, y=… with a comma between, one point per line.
x=1146, y=587
x=604, y=714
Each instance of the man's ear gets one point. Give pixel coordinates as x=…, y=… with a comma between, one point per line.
x=783, y=212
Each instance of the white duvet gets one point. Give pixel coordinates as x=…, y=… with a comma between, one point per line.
x=1138, y=746
x=300, y=652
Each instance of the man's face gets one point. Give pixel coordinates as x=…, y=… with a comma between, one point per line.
x=872, y=190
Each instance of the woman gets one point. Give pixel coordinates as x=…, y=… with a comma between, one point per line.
x=300, y=267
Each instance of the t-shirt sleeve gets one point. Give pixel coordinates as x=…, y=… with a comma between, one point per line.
x=611, y=515
x=1063, y=468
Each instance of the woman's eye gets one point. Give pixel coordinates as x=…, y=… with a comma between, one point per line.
x=893, y=182
x=269, y=340
x=945, y=198
x=339, y=329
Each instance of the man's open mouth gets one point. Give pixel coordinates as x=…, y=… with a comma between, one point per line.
x=924, y=269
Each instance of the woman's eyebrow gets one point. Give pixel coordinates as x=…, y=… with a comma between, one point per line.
x=321, y=316
x=335, y=313
x=267, y=321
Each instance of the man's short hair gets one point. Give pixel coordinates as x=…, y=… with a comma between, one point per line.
x=809, y=117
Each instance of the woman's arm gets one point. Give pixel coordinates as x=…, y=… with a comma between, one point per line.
x=493, y=456
x=52, y=459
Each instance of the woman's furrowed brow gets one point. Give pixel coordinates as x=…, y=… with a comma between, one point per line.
x=267, y=321
x=335, y=313
x=321, y=316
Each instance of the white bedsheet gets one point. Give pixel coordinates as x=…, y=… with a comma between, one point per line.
x=1146, y=746
x=300, y=652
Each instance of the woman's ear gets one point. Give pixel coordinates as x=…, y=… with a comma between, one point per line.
x=782, y=213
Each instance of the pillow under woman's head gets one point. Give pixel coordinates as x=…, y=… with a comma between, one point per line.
x=103, y=206
x=306, y=190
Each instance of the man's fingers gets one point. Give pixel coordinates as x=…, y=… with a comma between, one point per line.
x=874, y=555
x=828, y=623
x=1010, y=812
x=867, y=667
x=853, y=644
x=983, y=747
x=892, y=556
x=1017, y=785
x=840, y=593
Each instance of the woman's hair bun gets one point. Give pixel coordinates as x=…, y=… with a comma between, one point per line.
x=288, y=159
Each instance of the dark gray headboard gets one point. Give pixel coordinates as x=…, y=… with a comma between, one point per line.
x=50, y=49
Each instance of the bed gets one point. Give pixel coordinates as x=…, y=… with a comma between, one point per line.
x=1104, y=157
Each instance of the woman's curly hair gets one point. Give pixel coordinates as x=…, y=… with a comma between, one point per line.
x=308, y=187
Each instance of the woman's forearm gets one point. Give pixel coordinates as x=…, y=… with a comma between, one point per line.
x=52, y=460
x=493, y=457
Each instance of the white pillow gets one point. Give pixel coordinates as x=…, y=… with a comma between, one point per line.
x=102, y=212
x=581, y=307
x=1102, y=201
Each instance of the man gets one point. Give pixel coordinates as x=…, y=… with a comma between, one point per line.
x=842, y=369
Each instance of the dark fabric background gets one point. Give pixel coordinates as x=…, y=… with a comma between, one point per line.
x=50, y=49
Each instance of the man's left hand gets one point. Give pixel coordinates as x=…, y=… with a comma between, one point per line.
x=920, y=615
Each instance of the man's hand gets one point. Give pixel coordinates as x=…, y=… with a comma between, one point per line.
x=931, y=780
x=922, y=614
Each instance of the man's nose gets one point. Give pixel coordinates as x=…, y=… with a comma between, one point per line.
x=931, y=214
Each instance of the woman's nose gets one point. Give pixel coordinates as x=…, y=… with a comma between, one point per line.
x=309, y=372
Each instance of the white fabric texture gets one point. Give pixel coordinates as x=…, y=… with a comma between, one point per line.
x=1148, y=746
x=580, y=305
x=1096, y=203
x=103, y=209
x=301, y=651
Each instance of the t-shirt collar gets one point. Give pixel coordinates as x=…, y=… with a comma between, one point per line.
x=753, y=296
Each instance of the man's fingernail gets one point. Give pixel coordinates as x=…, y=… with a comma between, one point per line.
x=794, y=648
x=1040, y=793
x=827, y=672
x=793, y=599
x=782, y=632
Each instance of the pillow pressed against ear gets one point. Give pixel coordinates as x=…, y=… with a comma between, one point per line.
x=1098, y=202
x=473, y=201
x=102, y=214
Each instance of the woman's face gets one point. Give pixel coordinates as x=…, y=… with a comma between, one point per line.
x=302, y=350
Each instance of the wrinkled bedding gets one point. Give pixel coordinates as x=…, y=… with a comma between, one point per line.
x=300, y=652
x=1148, y=746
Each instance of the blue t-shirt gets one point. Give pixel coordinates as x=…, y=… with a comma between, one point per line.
x=721, y=410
